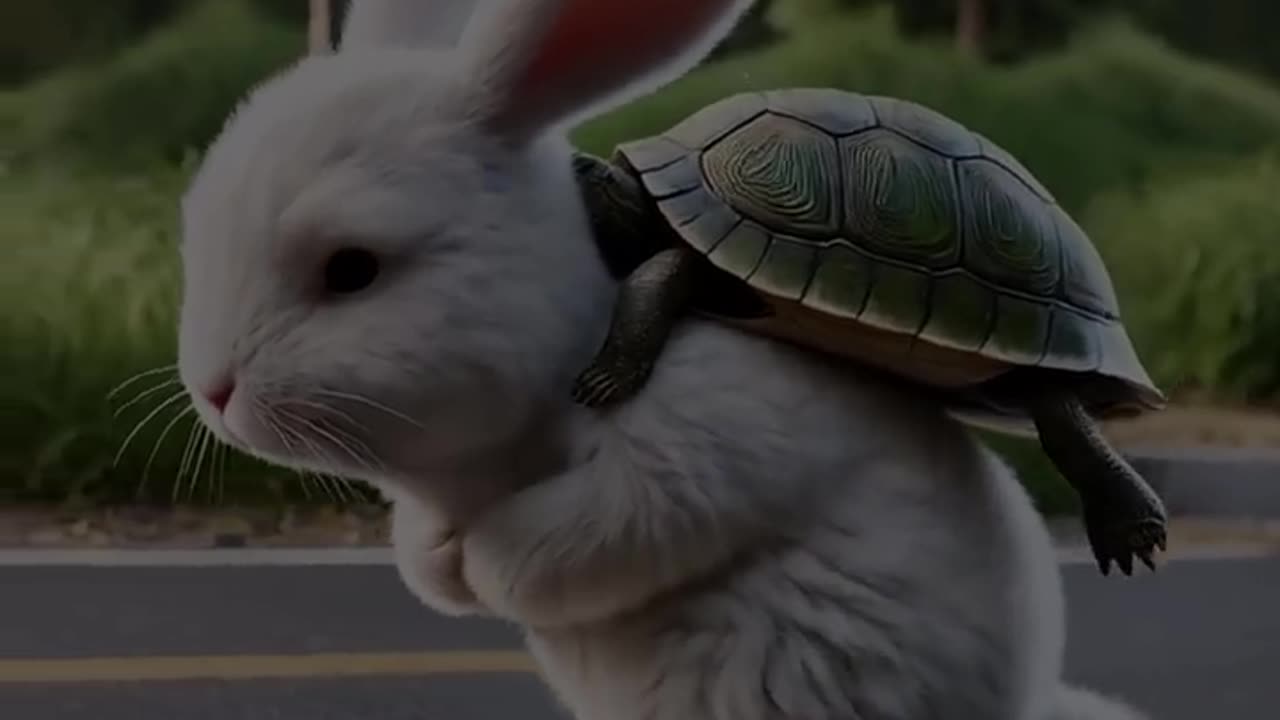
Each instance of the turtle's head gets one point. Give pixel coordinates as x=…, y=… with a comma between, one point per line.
x=386, y=261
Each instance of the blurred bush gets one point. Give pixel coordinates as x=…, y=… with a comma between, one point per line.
x=1114, y=110
x=1241, y=33
x=37, y=37
x=157, y=99
x=1011, y=30
x=1197, y=262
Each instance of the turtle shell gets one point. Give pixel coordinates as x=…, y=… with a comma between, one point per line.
x=880, y=230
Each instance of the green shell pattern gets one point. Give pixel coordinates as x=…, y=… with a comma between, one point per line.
x=887, y=212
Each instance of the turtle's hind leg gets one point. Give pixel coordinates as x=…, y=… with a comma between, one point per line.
x=1123, y=516
x=650, y=302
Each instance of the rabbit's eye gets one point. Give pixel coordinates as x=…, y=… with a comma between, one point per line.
x=350, y=270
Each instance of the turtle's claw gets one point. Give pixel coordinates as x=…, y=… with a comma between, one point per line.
x=1146, y=558
x=608, y=383
x=1125, y=561
x=601, y=392
x=593, y=388
x=1121, y=540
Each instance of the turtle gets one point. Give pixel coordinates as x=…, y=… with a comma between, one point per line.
x=878, y=230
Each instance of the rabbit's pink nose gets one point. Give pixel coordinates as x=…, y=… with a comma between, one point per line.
x=220, y=395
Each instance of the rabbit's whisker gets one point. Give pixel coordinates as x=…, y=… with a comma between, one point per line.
x=144, y=394
x=373, y=404
x=277, y=423
x=138, y=376
x=202, y=451
x=137, y=428
x=352, y=447
x=347, y=441
x=155, y=449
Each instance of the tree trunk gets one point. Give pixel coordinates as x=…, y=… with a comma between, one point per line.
x=319, y=28
x=971, y=25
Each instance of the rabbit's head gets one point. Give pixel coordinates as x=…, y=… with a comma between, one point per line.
x=386, y=260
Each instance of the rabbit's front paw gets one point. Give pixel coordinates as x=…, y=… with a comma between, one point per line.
x=505, y=565
x=497, y=579
x=433, y=572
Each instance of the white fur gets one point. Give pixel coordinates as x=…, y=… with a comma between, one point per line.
x=759, y=534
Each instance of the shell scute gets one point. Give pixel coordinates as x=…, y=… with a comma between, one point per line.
x=709, y=125
x=1074, y=342
x=781, y=173
x=675, y=177
x=899, y=299
x=786, y=268
x=962, y=313
x=651, y=153
x=1009, y=239
x=1021, y=331
x=840, y=282
x=926, y=126
x=900, y=200
x=1000, y=156
x=741, y=251
x=1085, y=280
x=835, y=111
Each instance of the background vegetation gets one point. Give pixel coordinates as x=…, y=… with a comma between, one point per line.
x=1161, y=140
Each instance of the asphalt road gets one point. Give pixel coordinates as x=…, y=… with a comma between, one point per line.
x=1199, y=639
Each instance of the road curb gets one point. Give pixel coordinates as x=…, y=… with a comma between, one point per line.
x=1213, y=482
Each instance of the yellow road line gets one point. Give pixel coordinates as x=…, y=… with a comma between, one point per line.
x=248, y=667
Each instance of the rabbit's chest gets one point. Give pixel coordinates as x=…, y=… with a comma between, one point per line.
x=786, y=639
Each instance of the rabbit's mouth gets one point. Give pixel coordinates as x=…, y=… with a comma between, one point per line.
x=299, y=431
x=305, y=435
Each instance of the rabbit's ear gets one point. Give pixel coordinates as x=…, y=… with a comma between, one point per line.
x=538, y=63
x=405, y=23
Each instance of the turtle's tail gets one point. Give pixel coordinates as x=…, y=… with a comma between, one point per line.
x=1076, y=703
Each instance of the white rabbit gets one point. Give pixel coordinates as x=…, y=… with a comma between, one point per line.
x=389, y=275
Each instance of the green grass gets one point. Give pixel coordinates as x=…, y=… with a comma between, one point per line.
x=93, y=273
x=1152, y=150
x=157, y=100
x=1200, y=263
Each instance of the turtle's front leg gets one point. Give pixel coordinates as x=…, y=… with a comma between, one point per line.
x=650, y=302
x=1123, y=516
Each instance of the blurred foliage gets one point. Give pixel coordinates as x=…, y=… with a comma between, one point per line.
x=1199, y=260
x=1014, y=29
x=168, y=93
x=90, y=356
x=1241, y=33
x=36, y=37
x=39, y=36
